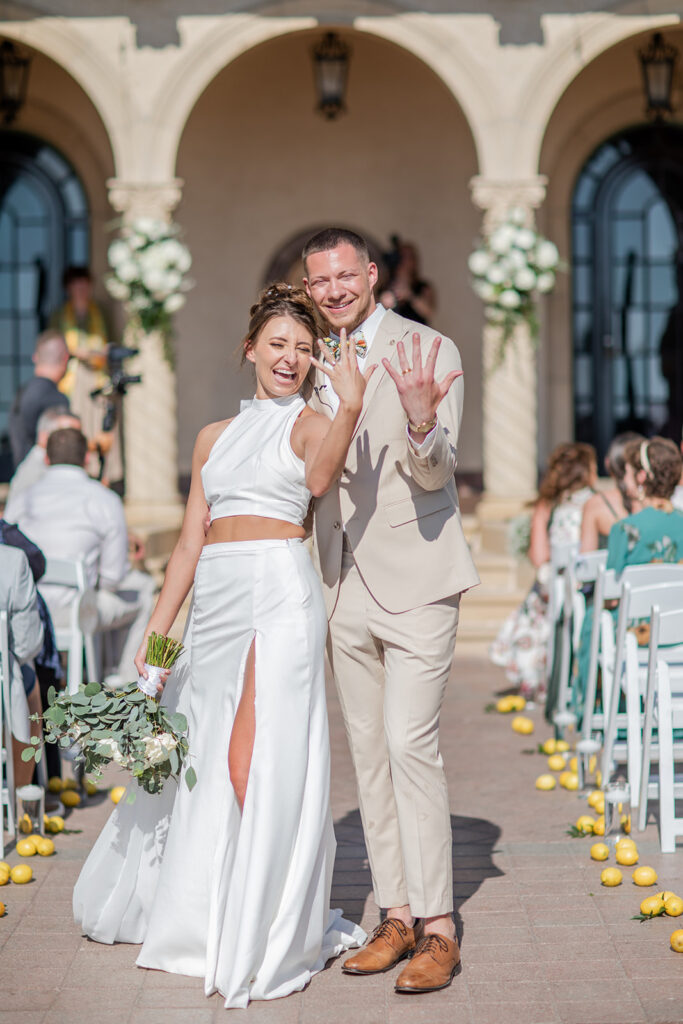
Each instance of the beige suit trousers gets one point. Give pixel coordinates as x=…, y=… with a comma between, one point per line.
x=391, y=672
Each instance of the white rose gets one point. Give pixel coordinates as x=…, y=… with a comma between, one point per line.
x=517, y=216
x=525, y=238
x=128, y=271
x=117, y=289
x=547, y=256
x=167, y=741
x=139, y=302
x=118, y=252
x=509, y=299
x=184, y=260
x=502, y=239
x=173, y=281
x=152, y=258
x=155, y=752
x=173, y=303
x=516, y=260
x=485, y=290
x=153, y=279
x=479, y=262
x=495, y=274
x=545, y=282
x=525, y=280
x=111, y=749
x=136, y=241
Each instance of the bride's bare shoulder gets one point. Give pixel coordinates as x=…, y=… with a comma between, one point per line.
x=208, y=435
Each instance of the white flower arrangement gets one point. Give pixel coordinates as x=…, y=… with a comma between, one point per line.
x=149, y=265
x=510, y=268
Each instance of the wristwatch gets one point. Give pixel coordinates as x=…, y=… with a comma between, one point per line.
x=424, y=427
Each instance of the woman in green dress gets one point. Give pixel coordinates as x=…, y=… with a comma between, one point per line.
x=652, y=534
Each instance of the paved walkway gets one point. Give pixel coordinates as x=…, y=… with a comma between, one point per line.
x=542, y=941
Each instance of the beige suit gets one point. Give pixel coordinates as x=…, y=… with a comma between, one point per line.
x=393, y=607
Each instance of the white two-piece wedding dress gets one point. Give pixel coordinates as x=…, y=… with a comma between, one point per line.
x=240, y=899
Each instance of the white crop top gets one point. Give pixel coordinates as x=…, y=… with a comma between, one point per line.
x=251, y=469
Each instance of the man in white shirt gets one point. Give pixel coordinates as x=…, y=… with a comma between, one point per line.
x=69, y=515
x=33, y=467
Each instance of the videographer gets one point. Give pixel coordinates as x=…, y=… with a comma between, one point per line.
x=407, y=293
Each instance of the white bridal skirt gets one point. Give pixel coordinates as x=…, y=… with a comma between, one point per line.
x=241, y=900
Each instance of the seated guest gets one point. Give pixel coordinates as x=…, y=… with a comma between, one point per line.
x=50, y=358
x=652, y=534
x=18, y=599
x=604, y=508
x=520, y=647
x=32, y=468
x=71, y=516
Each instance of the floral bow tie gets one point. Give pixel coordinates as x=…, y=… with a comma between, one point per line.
x=334, y=346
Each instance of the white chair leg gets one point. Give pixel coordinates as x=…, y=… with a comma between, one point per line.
x=667, y=806
x=633, y=719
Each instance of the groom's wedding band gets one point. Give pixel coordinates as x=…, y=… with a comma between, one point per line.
x=404, y=372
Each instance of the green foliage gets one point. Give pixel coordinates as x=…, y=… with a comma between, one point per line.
x=162, y=650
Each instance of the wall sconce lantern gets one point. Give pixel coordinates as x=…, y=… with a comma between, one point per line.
x=657, y=61
x=331, y=68
x=13, y=81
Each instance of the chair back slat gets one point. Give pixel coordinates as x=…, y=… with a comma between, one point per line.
x=670, y=622
x=588, y=564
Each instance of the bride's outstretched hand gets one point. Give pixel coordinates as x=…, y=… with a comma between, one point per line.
x=345, y=375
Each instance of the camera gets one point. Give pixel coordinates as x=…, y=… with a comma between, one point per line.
x=119, y=381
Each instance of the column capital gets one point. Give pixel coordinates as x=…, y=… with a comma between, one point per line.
x=495, y=196
x=145, y=198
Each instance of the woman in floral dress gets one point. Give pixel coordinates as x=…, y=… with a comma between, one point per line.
x=520, y=647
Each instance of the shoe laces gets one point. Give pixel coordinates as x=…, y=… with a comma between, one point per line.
x=431, y=944
x=386, y=929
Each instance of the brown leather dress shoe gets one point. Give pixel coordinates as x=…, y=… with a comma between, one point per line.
x=435, y=962
x=391, y=941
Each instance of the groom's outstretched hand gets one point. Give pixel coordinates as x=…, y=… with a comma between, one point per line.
x=420, y=394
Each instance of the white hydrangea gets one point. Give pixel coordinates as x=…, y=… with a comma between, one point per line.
x=495, y=274
x=525, y=279
x=117, y=289
x=173, y=303
x=118, y=252
x=525, y=238
x=479, y=262
x=516, y=260
x=547, y=256
x=509, y=299
x=128, y=271
x=502, y=239
x=545, y=282
x=517, y=216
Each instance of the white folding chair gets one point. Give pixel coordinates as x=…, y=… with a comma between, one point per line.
x=7, y=764
x=560, y=608
x=77, y=637
x=663, y=708
x=587, y=565
x=630, y=666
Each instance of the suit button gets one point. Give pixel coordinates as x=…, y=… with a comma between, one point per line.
x=434, y=460
x=337, y=525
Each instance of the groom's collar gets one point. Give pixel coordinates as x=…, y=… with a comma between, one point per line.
x=368, y=327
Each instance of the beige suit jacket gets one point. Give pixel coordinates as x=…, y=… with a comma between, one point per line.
x=400, y=510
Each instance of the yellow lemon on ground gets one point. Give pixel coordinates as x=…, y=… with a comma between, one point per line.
x=666, y=895
x=571, y=780
x=573, y=764
x=2, y=909
x=599, y=826
x=626, y=855
x=54, y=824
x=556, y=763
x=4, y=877
x=644, y=875
x=549, y=746
x=55, y=784
x=21, y=874
x=70, y=799
x=504, y=705
x=26, y=847
x=585, y=823
x=69, y=784
x=598, y=778
x=25, y=824
x=674, y=906
x=4, y=866
x=517, y=703
x=611, y=877
x=626, y=841
x=561, y=746
x=625, y=822
x=522, y=725
x=676, y=941
x=592, y=763
x=599, y=851
x=90, y=787
x=116, y=793
x=651, y=905
x=45, y=847
x=545, y=782
x=593, y=797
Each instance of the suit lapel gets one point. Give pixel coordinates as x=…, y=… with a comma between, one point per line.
x=390, y=330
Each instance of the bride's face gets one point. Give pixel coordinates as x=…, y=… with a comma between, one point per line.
x=281, y=354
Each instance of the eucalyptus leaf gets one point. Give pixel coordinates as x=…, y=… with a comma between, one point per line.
x=28, y=753
x=91, y=689
x=191, y=777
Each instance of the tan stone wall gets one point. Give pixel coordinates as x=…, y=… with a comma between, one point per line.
x=260, y=166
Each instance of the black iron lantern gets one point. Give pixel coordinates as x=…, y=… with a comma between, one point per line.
x=13, y=80
x=331, y=68
x=658, y=60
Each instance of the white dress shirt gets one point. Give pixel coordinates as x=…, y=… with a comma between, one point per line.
x=69, y=515
x=29, y=471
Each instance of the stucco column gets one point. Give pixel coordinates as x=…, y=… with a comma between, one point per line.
x=150, y=426
x=510, y=386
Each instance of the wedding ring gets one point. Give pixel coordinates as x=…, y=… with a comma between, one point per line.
x=404, y=372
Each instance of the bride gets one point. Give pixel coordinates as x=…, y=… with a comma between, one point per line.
x=231, y=881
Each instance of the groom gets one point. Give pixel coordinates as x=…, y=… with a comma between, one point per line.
x=394, y=561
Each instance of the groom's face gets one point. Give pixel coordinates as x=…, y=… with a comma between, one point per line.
x=340, y=282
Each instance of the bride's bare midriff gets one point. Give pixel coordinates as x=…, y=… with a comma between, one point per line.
x=234, y=528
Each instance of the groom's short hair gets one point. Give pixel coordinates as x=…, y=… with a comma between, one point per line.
x=330, y=238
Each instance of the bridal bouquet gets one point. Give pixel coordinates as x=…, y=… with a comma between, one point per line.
x=148, y=274
x=124, y=726
x=510, y=268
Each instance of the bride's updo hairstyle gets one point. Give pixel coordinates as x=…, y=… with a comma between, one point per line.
x=281, y=299
x=661, y=460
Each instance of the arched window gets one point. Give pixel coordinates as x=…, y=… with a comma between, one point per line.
x=44, y=227
x=627, y=263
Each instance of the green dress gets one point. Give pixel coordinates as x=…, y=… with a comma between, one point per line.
x=650, y=535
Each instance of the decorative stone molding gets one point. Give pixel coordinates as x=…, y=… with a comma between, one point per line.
x=145, y=198
x=496, y=197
